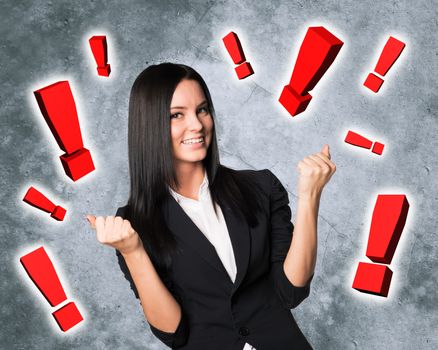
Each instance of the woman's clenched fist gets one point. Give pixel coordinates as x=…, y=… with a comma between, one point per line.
x=314, y=173
x=116, y=232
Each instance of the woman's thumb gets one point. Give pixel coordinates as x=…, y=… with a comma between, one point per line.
x=326, y=150
x=92, y=220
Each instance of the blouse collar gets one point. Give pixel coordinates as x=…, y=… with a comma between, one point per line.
x=203, y=189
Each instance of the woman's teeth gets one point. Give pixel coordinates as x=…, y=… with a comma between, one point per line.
x=188, y=142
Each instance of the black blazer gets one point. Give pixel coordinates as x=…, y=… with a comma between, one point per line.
x=218, y=314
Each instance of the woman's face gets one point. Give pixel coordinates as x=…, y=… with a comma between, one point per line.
x=190, y=123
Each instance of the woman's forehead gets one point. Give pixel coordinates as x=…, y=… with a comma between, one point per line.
x=187, y=92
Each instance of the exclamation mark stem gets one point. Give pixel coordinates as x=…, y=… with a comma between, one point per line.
x=99, y=49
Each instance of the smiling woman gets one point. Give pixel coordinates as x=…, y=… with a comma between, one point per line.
x=191, y=128
x=208, y=250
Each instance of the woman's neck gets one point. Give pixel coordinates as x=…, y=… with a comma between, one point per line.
x=190, y=177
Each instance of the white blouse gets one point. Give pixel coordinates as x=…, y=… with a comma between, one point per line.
x=214, y=228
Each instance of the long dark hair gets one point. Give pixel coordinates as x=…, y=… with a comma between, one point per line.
x=151, y=163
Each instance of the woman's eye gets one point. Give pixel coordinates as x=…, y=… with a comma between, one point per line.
x=175, y=115
x=203, y=110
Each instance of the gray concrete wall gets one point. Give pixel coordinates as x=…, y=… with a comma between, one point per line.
x=46, y=41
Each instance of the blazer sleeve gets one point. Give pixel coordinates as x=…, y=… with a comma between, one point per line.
x=281, y=237
x=173, y=340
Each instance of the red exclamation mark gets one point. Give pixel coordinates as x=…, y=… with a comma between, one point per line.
x=358, y=140
x=100, y=52
x=234, y=48
x=58, y=107
x=36, y=199
x=389, y=218
x=41, y=271
x=391, y=52
x=317, y=52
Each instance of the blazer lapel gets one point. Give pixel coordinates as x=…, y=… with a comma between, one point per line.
x=185, y=230
x=241, y=241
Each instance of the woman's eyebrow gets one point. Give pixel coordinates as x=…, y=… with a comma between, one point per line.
x=182, y=107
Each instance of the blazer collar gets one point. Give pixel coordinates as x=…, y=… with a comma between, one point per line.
x=185, y=230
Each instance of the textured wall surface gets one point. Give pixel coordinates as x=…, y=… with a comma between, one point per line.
x=46, y=41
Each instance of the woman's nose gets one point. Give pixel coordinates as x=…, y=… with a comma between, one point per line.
x=194, y=123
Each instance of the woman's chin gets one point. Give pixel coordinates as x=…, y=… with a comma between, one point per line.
x=193, y=157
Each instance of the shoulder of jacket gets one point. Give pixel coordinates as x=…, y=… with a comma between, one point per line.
x=256, y=173
x=263, y=177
